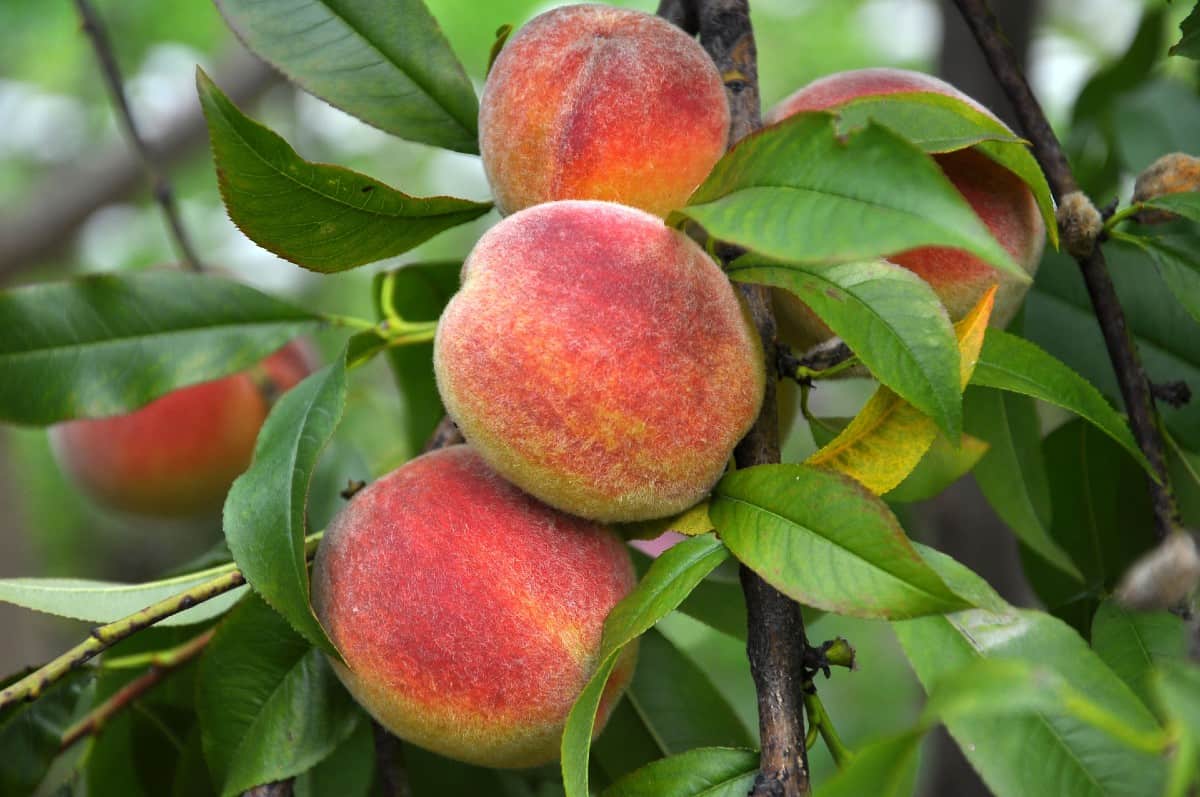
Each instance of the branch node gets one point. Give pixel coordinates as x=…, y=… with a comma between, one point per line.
x=1080, y=224
x=1177, y=394
x=1162, y=577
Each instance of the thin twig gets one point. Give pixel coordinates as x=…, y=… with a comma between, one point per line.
x=161, y=187
x=104, y=637
x=162, y=665
x=1122, y=351
x=775, y=641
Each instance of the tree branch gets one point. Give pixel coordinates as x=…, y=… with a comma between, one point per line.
x=1131, y=375
x=104, y=637
x=93, y=26
x=64, y=201
x=775, y=641
x=160, y=667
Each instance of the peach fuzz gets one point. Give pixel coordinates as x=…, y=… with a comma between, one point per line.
x=999, y=197
x=178, y=455
x=595, y=102
x=469, y=613
x=599, y=360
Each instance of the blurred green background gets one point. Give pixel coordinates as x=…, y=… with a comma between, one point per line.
x=72, y=200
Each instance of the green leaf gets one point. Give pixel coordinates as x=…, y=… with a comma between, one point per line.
x=106, y=601
x=385, y=61
x=1008, y=362
x=703, y=772
x=716, y=601
x=107, y=344
x=1074, y=755
x=1015, y=688
x=1102, y=519
x=888, y=316
x=269, y=703
x=31, y=733
x=1134, y=643
x=1185, y=204
x=265, y=511
x=885, y=768
x=678, y=703
x=321, y=217
x=824, y=540
x=416, y=292
x=798, y=191
x=1011, y=474
x=1177, y=264
x=347, y=771
x=964, y=581
x=1177, y=684
x=942, y=466
x=1189, y=44
x=939, y=123
x=1059, y=318
x=669, y=580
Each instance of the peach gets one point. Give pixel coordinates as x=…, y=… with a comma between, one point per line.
x=999, y=197
x=594, y=102
x=599, y=360
x=469, y=614
x=178, y=455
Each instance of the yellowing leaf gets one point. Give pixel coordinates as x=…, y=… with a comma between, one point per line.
x=690, y=522
x=970, y=331
x=887, y=439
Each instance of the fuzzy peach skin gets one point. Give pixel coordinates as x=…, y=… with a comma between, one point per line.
x=595, y=102
x=178, y=455
x=599, y=360
x=469, y=613
x=999, y=198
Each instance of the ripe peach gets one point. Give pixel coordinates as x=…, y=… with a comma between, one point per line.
x=469, y=613
x=178, y=455
x=999, y=198
x=594, y=102
x=599, y=360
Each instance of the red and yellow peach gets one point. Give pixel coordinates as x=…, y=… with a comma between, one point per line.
x=999, y=197
x=178, y=455
x=468, y=613
x=595, y=102
x=599, y=360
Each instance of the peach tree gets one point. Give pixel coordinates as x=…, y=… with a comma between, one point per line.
x=599, y=390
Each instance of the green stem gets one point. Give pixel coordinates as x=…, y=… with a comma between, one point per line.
x=803, y=372
x=820, y=719
x=1182, y=768
x=1121, y=215
x=104, y=637
x=349, y=321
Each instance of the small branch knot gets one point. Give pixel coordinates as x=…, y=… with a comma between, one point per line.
x=1176, y=394
x=1171, y=174
x=1163, y=577
x=1080, y=224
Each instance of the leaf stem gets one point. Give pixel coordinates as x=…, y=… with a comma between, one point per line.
x=161, y=664
x=820, y=719
x=93, y=26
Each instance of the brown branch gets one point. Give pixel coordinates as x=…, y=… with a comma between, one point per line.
x=160, y=667
x=49, y=220
x=1122, y=351
x=775, y=642
x=93, y=26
